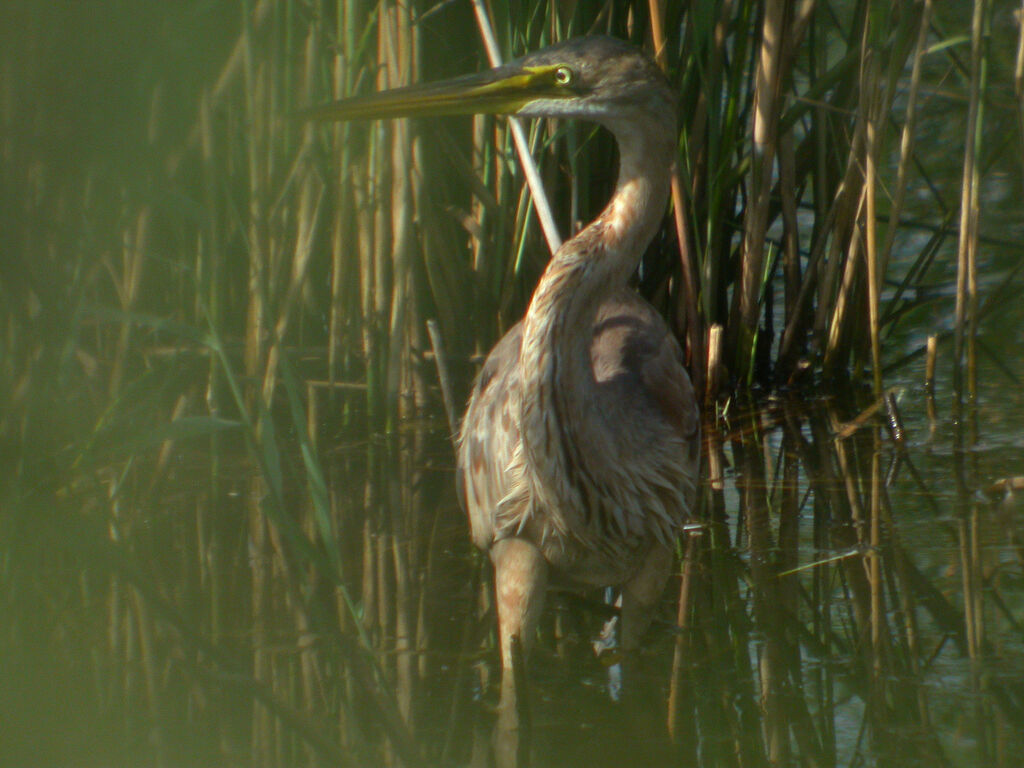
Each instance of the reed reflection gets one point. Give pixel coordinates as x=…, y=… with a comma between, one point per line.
x=843, y=597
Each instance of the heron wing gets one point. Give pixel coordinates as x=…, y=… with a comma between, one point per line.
x=668, y=384
x=489, y=435
x=647, y=395
x=632, y=344
x=642, y=388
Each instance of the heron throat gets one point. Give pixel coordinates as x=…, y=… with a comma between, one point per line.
x=560, y=416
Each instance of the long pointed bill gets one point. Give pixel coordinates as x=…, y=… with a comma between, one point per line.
x=504, y=90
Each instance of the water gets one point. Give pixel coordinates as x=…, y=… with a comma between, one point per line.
x=850, y=601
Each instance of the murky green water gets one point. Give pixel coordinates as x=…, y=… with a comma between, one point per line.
x=847, y=600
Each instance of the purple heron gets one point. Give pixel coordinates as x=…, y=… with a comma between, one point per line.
x=578, y=453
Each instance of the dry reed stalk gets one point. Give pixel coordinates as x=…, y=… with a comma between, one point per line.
x=133, y=258
x=838, y=341
x=308, y=217
x=405, y=629
x=751, y=482
x=834, y=287
x=540, y=200
x=341, y=231
x=874, y=557
x=255, y=93
x=929, y=365
x=312, y=414
x=872, y=141
x=441, y=361
x=688, y=267
x=767, y=99
x=876, y=95
x=804, y=730
x=401, y=62
x=904, y=592
x=364, y=207
x=969, y=587
x=790, y=227
x=965, y=329
x=824, y=284
x=906, y=138
x=384, y=629
x=209, y=256
x=977, y=594
x=151, y=676
x=479, y=166
x=368, y=581
x=715, y=366
x=716, y=462
x=766, y=558
x=700, y=144
x=794, y=330
x=679, y=722
x=260, y=610
x=233, y=70
x=787, y=185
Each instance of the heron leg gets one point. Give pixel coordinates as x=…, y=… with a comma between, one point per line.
x=520, y=579
x=640, y=595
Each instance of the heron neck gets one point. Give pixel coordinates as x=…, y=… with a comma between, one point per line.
x=559, y=412
x=629, y=221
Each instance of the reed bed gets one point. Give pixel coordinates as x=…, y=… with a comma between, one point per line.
x=800, y=140
x=220, y=467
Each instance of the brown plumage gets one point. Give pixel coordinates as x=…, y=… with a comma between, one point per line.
x=579, y=450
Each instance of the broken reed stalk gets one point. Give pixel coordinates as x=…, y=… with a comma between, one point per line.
x=931, y=352
x=715, y=366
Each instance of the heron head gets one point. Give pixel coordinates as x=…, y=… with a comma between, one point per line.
x=592, y=78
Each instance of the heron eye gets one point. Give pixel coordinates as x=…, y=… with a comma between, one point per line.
x=563, y=76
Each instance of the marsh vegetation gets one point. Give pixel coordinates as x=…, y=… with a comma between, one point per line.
x=228, y=529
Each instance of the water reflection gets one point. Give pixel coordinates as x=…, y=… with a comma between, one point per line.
x=846, y=599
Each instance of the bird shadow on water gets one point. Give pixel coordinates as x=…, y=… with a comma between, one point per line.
x=842, y=598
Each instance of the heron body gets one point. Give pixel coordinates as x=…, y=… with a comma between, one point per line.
x=579, y=449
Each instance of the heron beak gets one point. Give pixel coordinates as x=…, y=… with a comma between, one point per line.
x=504, y=90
